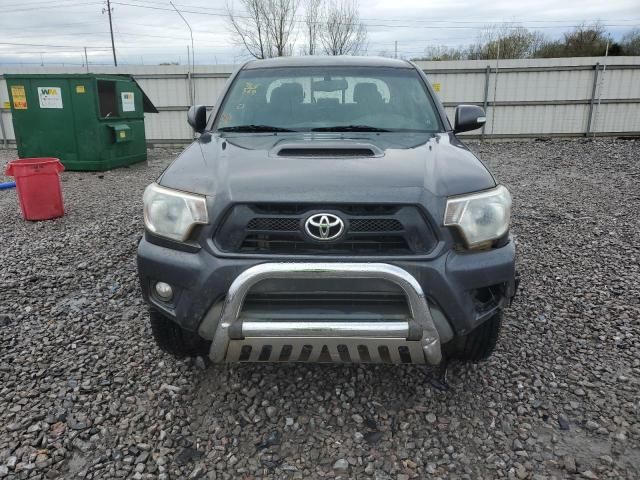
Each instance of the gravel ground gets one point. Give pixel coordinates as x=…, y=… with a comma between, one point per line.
x=84, y=392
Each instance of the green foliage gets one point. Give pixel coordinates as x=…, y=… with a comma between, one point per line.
x=507, y=41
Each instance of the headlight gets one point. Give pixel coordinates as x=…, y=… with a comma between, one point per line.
x=172, y=213
x=480, y=217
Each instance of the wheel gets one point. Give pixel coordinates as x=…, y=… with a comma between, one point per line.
x=477, y=345
x=175, y=340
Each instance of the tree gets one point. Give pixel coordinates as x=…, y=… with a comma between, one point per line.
x=442, y=52
x=518, y=42
x=631, y=42
x=504, y=41
x=265, y=27
x=342, y=32
x=583, y=41
x=312, y=25
x=586, y=41
x=551, y=49
x=281, y=16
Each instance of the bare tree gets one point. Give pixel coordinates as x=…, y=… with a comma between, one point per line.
x=265, y=27
x=442, y=52
x=250, y=29
x=312, y=25
x=506, y=41
x=342, y=31
x=281, y=20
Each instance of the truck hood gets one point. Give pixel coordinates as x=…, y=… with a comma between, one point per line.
x=404, y=169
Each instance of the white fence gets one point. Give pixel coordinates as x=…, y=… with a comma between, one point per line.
x=523, y=98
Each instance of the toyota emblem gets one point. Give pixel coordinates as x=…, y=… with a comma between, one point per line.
x=324, y=226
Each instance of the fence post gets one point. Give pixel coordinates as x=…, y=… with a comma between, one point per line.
x=4, y=133
x=485, y=102
x=596, y=68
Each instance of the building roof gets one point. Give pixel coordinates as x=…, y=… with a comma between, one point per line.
x=328, y=61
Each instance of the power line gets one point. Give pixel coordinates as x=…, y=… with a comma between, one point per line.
x=73, y=34
x=77, y=47
x=65, y=5
x=415, y=20
x=49, y=45
x=368, y=25
x=448, y=22
x=26, y=3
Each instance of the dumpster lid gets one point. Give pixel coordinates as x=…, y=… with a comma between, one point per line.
x=147, y=104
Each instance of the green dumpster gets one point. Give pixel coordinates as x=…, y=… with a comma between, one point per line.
x=89, y=122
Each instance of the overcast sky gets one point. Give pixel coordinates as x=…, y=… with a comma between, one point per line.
x=150, y=32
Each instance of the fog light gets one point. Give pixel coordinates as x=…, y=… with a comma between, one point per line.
x=164, y=291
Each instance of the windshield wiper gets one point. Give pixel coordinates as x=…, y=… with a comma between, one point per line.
x=350, y=128
x=254, y=128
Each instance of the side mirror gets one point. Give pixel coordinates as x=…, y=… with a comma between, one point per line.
x=468, y=117
x=197, y=117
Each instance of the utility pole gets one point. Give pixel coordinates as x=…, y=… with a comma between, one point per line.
x=113, y=45
x=86, y=59
x=396, y=50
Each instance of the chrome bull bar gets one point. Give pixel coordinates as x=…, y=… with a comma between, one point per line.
x=363, y=341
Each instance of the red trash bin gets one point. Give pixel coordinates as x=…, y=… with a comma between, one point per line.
x=39, y=189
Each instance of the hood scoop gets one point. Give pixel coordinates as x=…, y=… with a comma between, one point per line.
x=334, y=149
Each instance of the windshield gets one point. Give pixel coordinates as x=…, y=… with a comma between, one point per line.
x=328, y=99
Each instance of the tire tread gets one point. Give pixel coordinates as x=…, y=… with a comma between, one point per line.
x=479, y=344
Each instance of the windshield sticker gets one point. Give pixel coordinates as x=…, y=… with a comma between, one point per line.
x=226, y=117
x=250, y=88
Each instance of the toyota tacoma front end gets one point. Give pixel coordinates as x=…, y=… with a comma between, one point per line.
x=328, y=213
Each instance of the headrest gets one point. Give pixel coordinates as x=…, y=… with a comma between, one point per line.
x=366, y=92
x=287, y=93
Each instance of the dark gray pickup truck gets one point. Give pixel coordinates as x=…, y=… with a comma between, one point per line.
x=328, y=213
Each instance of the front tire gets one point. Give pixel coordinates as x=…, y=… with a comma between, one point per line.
x=173, y=339
x=477, y=345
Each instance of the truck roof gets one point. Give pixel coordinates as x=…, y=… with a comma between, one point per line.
x=328, y=61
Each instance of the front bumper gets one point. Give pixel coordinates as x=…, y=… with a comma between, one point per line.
x=234, y=337
x=461, y=290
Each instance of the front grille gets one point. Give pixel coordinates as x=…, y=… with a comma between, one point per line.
x=278, y=229
x=278, y=224
x=375, y=225
x=274, y=224
x=283, y=243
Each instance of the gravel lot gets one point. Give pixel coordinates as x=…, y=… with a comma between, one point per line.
x=84, y=392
